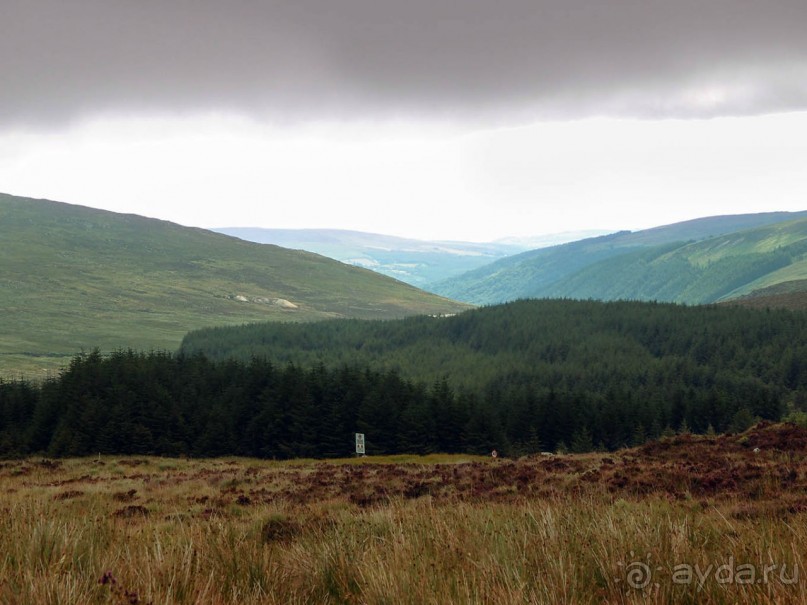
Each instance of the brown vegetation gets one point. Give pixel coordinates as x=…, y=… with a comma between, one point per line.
x=542, y=529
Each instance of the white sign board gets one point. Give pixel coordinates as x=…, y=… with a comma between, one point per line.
x=359, y=443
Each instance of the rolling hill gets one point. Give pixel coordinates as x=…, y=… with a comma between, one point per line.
x=74, y=278
x=698, y=261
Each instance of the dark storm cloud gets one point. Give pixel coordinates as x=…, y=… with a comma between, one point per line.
x=462, y=59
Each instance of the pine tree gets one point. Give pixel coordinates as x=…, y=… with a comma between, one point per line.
x=639, y=437
x=582, y=441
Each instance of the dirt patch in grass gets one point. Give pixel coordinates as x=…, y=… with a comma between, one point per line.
x=280, y=529
x=127, y=496
x=131, y=512
x=68, y=495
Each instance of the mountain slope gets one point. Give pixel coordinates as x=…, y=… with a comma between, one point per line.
x=701, y=272
x=642, y=265
x=74, y=278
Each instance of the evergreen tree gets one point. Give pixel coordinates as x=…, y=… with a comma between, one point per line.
x=582, y=441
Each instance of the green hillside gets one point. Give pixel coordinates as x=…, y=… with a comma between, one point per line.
x=701, y=272
x=74, y=278
x=693, y=262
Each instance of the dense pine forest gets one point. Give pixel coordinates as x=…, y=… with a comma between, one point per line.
x=650, y=350
x=523, y=377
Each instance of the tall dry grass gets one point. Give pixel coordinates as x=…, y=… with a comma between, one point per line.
x=76, y=533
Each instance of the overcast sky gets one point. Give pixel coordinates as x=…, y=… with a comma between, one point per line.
x=440, y=119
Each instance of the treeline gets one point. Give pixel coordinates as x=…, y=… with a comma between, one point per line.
x=602, y=392
x=651, y=350
x=521, y=378
x=158, y=403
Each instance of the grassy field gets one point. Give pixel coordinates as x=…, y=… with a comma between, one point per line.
x=683, y=520
x=74, y=278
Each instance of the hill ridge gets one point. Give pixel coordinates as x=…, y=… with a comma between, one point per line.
x=74, y=277
x=608, y=267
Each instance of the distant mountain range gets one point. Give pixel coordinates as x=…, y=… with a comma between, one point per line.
x=416, y=262
x=699, y=261
x=74, y=278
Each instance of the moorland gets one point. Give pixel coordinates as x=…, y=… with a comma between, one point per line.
x=685, y=519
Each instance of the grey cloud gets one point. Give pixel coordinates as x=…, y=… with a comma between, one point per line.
x=470, y=59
